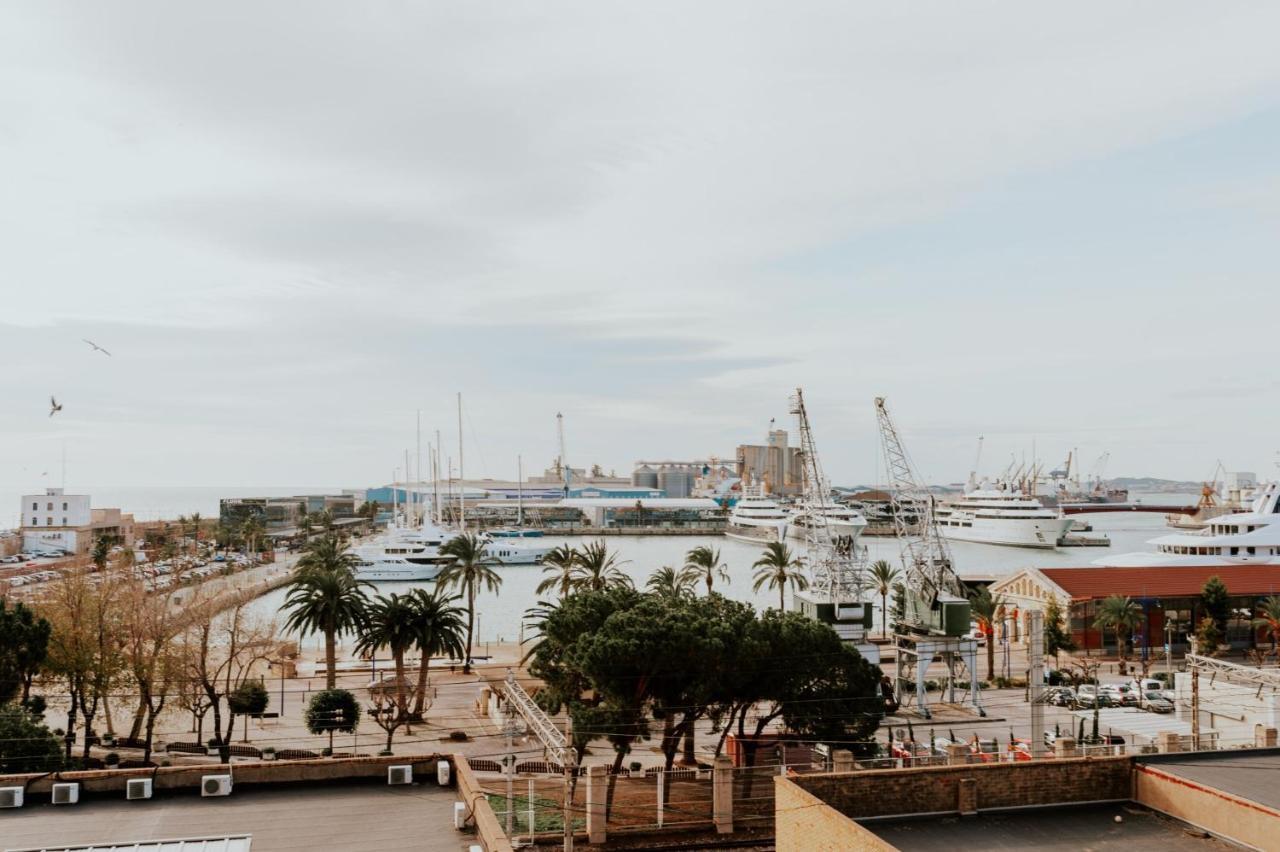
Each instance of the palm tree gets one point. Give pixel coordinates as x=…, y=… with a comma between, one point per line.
x=195, y=520
x=883, y=575
x=305, y=524
x=325, y=597
x=1269, y=617
x=251, y=530
x=1122, y=614
x=472, y=567
x=558, y=566
x=985, y=609
x=596, y=569
x=669, y=582
x=704, y=562
x=440, y=631
x=391, y=622
x=778, y=567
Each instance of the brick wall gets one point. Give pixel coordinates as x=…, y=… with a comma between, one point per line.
x=805, y=823
x=938, y=789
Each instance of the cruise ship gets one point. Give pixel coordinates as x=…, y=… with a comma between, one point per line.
x=843, y=523
x=402, y=553
x=756, y=517
x=1245, y=538
x=1001, y=514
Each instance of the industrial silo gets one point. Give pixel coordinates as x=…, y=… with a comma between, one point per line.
x=676, y=481
x=644, y=477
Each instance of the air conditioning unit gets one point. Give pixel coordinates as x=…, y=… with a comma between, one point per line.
x=460, y=816
x=444, y=773
x=401, y=774
x=66, y=793
x=215, y=785
x=137, y=788
x=11, y=797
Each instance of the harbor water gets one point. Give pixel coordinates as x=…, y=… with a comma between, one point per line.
x=500, y=614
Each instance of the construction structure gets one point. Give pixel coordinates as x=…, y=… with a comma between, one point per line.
x=935, y=620
x=837, y=574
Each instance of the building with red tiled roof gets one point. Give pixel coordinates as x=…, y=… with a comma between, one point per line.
x=1169, y=596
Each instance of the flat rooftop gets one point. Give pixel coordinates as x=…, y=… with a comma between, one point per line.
x=1238, y=773
x=370, y=816
x=1068, y=829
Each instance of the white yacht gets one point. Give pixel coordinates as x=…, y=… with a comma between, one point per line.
x=1245, y=538
x=1002, y=514
x=515, y=549
x=756, y=517
x=402, y=553
x=843, y=523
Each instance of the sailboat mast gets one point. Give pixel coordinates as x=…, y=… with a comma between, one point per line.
x=417, y=498
x=519, y=491
x=462, y=497
x=435, y=482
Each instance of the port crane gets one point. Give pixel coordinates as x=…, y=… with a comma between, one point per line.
x=935, y=625
x=836, y=566
x=562, y=462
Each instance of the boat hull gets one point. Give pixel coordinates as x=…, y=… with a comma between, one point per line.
x=1039, y=533
x=397, y=573
x=755, y=534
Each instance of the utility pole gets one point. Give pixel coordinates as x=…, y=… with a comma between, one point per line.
x=509, y=728
x=462, y=504
x=1035, y=681
x=1195, y=707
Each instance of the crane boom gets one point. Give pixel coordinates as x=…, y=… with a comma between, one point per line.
x=564, y=462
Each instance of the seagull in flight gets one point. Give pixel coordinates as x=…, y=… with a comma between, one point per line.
x=54, y=406
x=96, y=347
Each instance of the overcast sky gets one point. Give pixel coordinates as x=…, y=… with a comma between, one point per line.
x=296, y=224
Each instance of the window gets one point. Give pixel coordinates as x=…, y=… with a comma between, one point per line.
x=64, y=507
x=35, y=507
x=50, y=507
x=35, y=521
x=64, y=522
x=48, y=522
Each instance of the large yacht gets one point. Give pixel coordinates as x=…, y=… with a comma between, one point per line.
x=514, y=549
x=844, y=524
x=756, y=517
x=1245, y=538
x=402, y=553
x=1000, y=513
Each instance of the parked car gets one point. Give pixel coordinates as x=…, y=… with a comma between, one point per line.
x=1060, y=696
x=1154, y=700
x=1121, y=695
x=1088, y=695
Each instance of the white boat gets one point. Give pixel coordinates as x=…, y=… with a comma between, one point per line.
x=515, y=550
x=1002, y=514
x=843, y=523
x=756, y=517
x=402, y=553
x=1244, y=538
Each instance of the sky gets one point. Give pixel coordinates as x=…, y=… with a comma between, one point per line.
x=295, y=225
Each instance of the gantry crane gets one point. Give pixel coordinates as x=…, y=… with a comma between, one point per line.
x=837, y=565
x=935, y=623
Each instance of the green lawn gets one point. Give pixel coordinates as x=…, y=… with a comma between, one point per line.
x=547, y=815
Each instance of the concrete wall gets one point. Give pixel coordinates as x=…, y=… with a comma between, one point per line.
x=983, y=786
x=265, y=772
x=1245, y=822
x=804, y=823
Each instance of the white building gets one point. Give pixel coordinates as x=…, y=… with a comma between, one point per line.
x=58, y=521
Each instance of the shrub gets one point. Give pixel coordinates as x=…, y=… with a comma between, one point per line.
x=635, y=766
x=26, y=745
x=458, y=736
x=249, y=698
x=112, y=759
x=386, y=752
x=326, y=752
x=332, y=710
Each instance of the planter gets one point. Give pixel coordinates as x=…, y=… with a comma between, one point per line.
x=268, y=755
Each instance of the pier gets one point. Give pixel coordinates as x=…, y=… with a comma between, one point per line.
x=1100, y=508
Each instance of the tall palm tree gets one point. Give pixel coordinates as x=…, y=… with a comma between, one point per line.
x=251, y=529
x=777, y=568
x=558, y=566
x=883, y=575
x=391, y=622
x=1122, y=614
x=325, y=597
x=1269, y=618
x=195, y=520
x=596, y=569
x=441, y=630
x=669, y=582
x=471, y=568
x=704, y=563
x=305, y=524
x=985, y=609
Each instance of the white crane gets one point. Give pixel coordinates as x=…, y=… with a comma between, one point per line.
x=562, y=462
x=836, y=572
x=936, y=611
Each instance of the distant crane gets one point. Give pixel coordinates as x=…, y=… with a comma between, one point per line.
x=936, y=612
x=562, y=462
